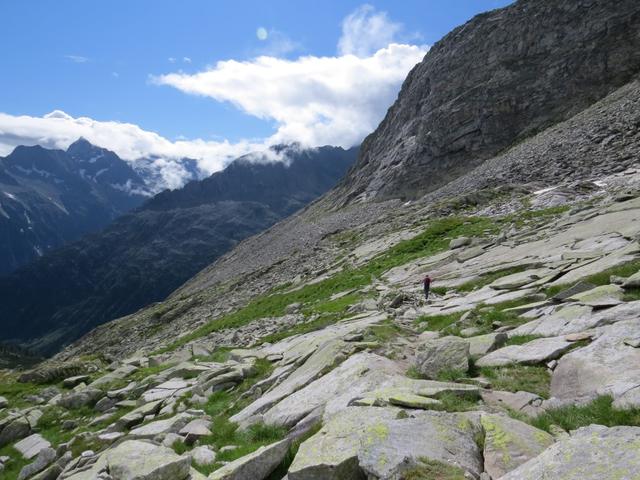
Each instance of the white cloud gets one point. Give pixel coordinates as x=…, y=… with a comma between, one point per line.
x=365, y=31
x=186, y=59
x=76, y=58
x=316, y=100
x=335, y=100
x=58, y=129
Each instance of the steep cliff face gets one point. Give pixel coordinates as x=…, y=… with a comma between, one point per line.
x=490, y=83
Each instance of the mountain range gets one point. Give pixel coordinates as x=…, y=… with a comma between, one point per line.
x=51, y=197
x=145, y=254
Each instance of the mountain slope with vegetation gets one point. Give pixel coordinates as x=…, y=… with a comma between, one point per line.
x=310, y=351
x=144, y=255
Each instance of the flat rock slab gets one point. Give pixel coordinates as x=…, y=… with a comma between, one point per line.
x=590, y=453
x=169, y=425
x=322, y=359
x=509, y=443
x=257, y=465
x=517, y=280
x=31, y=446
x=380, y=442
x=577, y=318
x=409, y=400
x=603, y=296
x=531, y=353
x=607, y=366
x=136, y=460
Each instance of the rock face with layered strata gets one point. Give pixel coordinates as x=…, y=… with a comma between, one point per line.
x=479, y=89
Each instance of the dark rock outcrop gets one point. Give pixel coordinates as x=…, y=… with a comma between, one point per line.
x=500, y=78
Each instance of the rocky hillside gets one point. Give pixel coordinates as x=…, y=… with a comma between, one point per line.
x=310, y=352
x=498, y=79
x=143, y=256
x=51, y=197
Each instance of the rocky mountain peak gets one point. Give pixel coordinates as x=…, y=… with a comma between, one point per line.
x=500, y=78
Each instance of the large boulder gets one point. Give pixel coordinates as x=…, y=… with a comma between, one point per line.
x=590, y=453
x=381, y=442
x=45, y=457
x=81, y=398
x=13, y=428
x=508, y=443
x=440, y=354
x=482, y=344
x=531, y=353
x=256, y=466
x=608, y=366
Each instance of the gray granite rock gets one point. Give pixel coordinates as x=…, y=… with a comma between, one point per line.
x=445, y=353
x=590, y=453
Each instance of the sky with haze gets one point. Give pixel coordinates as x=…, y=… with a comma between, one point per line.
x=206, y=79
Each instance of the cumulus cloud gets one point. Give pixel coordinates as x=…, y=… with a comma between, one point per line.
x=335, y=100
x=58, y=129
x=366, y=31
x=316, y=100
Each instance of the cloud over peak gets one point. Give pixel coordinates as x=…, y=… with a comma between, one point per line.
x=313, y=100
x=316, y=100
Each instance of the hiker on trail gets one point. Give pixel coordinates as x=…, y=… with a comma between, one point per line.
x=427, y=285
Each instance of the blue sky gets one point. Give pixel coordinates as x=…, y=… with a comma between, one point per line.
x=106, y=61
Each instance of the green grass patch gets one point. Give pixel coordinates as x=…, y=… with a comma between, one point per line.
x=534, y=379
x=15, y=391
x=428, y=469
x=221, y=406
x=631, y=295
x=543, y=215
x=521, y=339
x=435, y=323
x=600, y=411
x=439, y=290
x=451, y=375
x=451, y=402
x=146, y=372
x=433, y=239
x=13, y=467
x=383, y=332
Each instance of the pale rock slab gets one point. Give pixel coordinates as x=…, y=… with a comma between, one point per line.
x=531, y=353
x=509, y=443
x=590, y=453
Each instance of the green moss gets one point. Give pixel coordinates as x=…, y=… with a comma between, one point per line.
x=534, y=379
x=600, y=411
